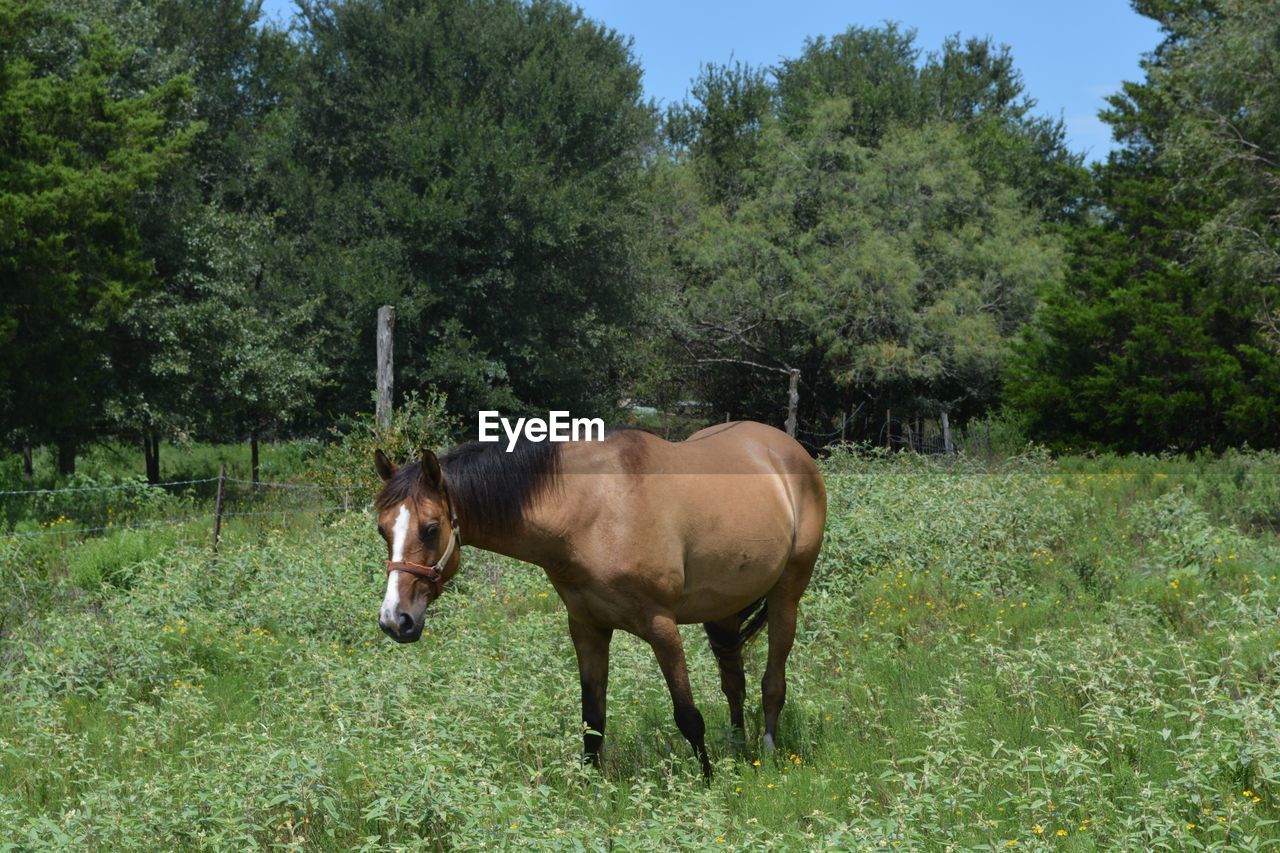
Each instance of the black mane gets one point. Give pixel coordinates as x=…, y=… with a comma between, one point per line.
x=490, y=487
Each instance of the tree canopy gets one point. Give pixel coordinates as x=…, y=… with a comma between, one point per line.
x=476, y=164
x=849, y=218
x=74, y=154
x=1158, y=338
x=201, y=212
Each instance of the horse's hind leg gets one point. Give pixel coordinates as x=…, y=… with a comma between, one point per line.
x=784, y=600
x=773, y=687
x=664, y=636
x=726, y=644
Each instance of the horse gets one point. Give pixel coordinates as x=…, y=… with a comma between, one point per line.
x=635, y=533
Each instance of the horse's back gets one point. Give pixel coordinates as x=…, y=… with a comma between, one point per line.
x=758, y=447
x=748, y=501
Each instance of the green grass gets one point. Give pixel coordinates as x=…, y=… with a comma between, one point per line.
x=986, y=655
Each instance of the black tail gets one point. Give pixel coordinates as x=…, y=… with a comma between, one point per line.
x=750, y=620
x=752, y=617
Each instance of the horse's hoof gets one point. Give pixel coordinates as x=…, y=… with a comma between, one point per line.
x=768, y=743
x=738, y=741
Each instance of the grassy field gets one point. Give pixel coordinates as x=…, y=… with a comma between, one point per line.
x=1077, y=654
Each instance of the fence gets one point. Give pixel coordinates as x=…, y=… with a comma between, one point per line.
x=928, y=437
x=78, y=511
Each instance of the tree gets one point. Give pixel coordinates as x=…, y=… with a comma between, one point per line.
x=880, y=223
x=179, y=365
x=235, y=356
x=972, y=84
x=476, y=164
x=73, y=157
x=1158, y=337
x=891, y=274
x=722, y=127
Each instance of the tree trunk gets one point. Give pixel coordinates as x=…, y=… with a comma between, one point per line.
x=67, y=456
x=28, y=470
x=151, y=455
x=793, y=400
x=253, y=456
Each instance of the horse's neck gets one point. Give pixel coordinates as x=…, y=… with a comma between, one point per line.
x=532, y=542
x=541, y=536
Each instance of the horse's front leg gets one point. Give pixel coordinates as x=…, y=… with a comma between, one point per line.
x=592, y=646
x=663, y=634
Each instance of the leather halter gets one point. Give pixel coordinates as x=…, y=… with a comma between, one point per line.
x=433, y=574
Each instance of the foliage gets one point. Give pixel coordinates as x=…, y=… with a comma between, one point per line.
x=722, y=128
x=75, y=155
x=889, y=274
x=79, y=503
x=1218, y=75
x=228, y=355
x=226, y=346
x=880, y=224
x=475, y=164
x=989, y=654
x=421, y=422
x=110, y=462
x=1158, y=338
x=972, y=84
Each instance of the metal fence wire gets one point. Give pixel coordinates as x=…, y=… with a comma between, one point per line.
x=243, y=498
x=133, y=506
x=114, y=488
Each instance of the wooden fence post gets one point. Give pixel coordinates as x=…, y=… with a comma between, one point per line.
x=386, y=365
x=888, y=429
x=217, y=507
x=946, y=435
x=793, y=400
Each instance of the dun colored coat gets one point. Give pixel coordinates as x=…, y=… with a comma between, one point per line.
x=635, y=533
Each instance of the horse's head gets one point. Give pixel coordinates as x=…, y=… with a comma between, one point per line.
x=416, y=519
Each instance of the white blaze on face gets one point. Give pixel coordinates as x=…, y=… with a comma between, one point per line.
x=391, y=601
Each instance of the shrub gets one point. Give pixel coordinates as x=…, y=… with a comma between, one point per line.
x=347, y=461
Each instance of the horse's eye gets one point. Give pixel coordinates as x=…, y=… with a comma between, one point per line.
x=382, y=531
x=428, y=532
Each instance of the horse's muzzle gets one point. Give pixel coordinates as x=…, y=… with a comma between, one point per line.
x=403, y=630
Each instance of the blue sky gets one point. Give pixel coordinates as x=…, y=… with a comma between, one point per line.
x=1072, y=55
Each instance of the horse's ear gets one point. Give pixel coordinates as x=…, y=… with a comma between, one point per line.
x=386, y=468
x=431, y=474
